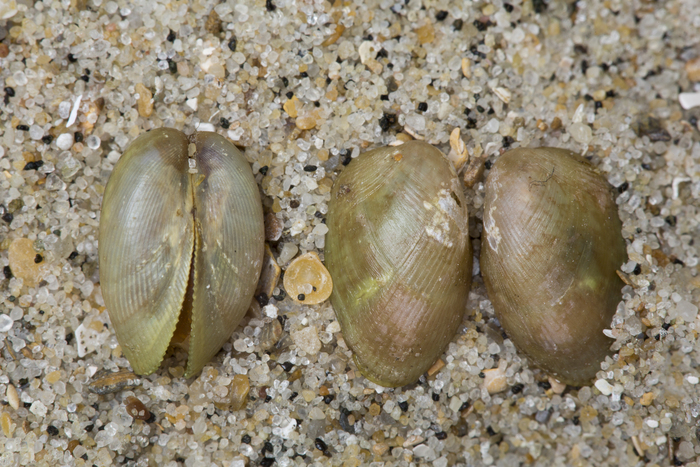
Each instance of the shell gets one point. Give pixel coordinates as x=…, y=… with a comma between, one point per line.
x=179, y=233
x=399, y=253
x=306, y=277
x=271, y=273
x=552, y=245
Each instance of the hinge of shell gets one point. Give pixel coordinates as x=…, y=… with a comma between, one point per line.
x=191, y=161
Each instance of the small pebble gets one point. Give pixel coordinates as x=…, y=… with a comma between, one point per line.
x=12, y=396
x=317, y=414
x=64, y=141
x=308, y=395
x=503, y=94
x=273, y=227
x=556, y=386
x=692, y=67
x=291, y=107
x=307, y=276
x=367, y=51
x=107, y=382
x=581, y=132
x=380, y=449
x=413, y=440
x=688, y=100
x=647, y=398
x=424, y=451
x=458, y=150
x=588, y=413
x=604, y=387
x=542, y=416
x=333, y=38
x=145, y=100
x=271, y=332
x=53, y=377
x=269, y=275
x=495, y=379
x=21, y=256
x=289, y=251
x=270, y=311
x=137, y=409
x=320, y=445
x=437, y=366
x=6, y=423
x=466, y=68
x=5, y=322
x=426, y=33
x=213, y=23
x=239, y=389
x=307, y=340
x=307, y=121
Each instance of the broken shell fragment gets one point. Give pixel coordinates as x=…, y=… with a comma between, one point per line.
x=271, y=273
x=399, y=252
x=107, y=382
x=180, y=246
x=458, y=150
x=495, y=380
x=271, y=334
x=552, y=244
x=307, y=280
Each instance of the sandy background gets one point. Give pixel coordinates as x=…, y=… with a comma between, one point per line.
x=313, y=83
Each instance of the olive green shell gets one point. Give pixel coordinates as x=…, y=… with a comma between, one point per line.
x=162, y=228
x=551, y=246
x=399, y=253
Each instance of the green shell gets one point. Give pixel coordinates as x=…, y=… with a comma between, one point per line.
x=399, y=253
x=551, y=246
x=171, y=241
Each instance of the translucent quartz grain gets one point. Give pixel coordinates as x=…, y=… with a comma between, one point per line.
x=5, y=323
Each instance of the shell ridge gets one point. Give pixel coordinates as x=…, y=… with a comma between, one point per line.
x=131, y=260
x=193, y=357
x=552, y=281
x=146, y=267
x=364, y=299
x=231, y=248
x=389, y=280
x=155, y=312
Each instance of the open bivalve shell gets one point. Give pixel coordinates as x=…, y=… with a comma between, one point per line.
x=180, y=247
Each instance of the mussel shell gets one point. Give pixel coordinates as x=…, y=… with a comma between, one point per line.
x=551, y=246
x=399, y=253
x=163, y=227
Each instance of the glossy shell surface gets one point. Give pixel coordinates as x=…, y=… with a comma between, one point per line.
x=181, y=229
x=399, y=253
x=551, y=246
